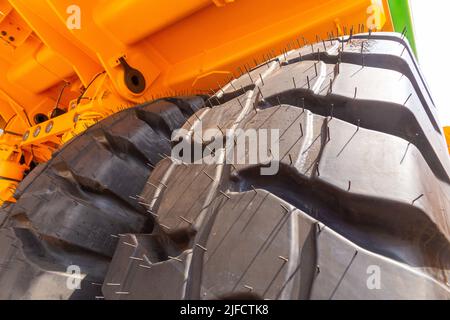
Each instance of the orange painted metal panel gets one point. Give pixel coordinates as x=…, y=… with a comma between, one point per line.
x=447, y=137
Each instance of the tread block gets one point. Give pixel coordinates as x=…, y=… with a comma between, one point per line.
x=185, y=185
x=253, y=246
x=103, y=171
x=162, y=116
x=85, y=220
x=33, y=268
x=189, y=104
x=141, y=269
x=300, y=75
x=371, y=114
x=350, y=272
x=300, y=137
x=135, y=137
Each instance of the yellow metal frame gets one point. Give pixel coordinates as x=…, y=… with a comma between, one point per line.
x=447, y=137
x=71, y=54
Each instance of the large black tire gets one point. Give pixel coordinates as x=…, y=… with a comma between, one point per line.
x=71, y=210
x=358, y=210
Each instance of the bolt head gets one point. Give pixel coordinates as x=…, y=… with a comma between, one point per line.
x=37, y=131
x=49, y=127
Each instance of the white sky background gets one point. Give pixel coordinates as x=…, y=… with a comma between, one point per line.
x=431, y=19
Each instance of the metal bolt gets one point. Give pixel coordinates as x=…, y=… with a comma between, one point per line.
x=37, y=131
x=49, y=127
x=26, y=135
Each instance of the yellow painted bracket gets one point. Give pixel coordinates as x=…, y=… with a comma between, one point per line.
x=447, y=137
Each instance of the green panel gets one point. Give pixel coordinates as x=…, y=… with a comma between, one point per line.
x=401, y=19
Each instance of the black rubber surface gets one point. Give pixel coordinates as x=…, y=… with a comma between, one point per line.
x=71, y=210
x=362, y=187
x=362, y=191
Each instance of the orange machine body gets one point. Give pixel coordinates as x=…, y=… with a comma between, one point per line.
x=447, y=137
